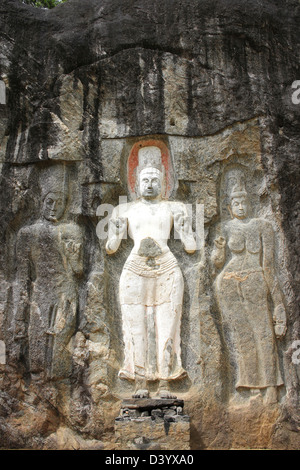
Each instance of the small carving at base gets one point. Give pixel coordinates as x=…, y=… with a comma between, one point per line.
x=152, y=424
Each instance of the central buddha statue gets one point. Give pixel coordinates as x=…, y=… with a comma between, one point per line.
x=151, y=284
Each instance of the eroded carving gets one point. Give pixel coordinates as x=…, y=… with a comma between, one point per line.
x=49, y=257
x=151, y=284
x=243, y=287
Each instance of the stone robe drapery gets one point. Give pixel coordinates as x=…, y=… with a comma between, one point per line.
x=151, y=294
x=242, y=293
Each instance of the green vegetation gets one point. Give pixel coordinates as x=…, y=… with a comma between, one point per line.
x=43, y=3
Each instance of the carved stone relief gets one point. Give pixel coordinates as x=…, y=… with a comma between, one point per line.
x=146, y=311
x=50, y=261
x=151, y=283
x=247, y=279
x=202, y=322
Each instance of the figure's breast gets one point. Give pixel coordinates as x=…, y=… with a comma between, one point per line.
x=253, y=242
x=245, y=238
x=236, y=241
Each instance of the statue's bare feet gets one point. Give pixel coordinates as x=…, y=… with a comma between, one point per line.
x=163, y=391
x=166, y=394
x=142, y=393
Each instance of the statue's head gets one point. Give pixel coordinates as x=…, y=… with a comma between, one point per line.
x=54, y=205
x=239, y=204
x=150, y=173
x=150, y=183
x=54, y=192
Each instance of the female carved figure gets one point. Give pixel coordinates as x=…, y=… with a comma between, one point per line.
x=151, y=283
x=243, y=289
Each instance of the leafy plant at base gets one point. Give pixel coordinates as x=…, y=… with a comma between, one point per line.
x=44, y=3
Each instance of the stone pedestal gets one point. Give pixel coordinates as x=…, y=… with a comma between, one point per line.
x=152, y=424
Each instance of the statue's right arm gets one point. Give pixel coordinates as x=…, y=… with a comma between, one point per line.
x=116, y=228
x=218, y=255
x=21, y=286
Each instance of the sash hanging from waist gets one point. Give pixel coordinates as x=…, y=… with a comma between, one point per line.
x=151, y=267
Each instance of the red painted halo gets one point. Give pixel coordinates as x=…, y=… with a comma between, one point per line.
x=133, y=162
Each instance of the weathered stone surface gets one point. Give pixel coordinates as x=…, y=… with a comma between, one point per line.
x=85, y=82
x=65, y=439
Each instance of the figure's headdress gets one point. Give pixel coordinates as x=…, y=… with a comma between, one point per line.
x=238, y=190
x=54, y=179
x=150, y=154
x=149, y=157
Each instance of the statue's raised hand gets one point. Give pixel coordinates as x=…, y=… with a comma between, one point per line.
x=220, y=242
x=118, y=226
x=181, y=223
x=279, y=317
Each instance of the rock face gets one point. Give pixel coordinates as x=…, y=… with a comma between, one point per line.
x=212, y=82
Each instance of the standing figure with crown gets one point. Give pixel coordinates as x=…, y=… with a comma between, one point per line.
x=50, y=261
x=244, y=288
x=151, y=284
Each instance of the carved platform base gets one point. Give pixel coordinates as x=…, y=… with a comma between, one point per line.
x=152, y=424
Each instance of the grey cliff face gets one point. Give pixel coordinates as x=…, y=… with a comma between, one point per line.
x=83, y=86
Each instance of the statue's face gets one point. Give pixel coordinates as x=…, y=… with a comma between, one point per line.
x=239, y=207
x=54, y=206
x=150, y=183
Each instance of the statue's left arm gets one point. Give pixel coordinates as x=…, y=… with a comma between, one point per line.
x=72, y=248
x=183, y=227
x=21, y=294
x=268, y=261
